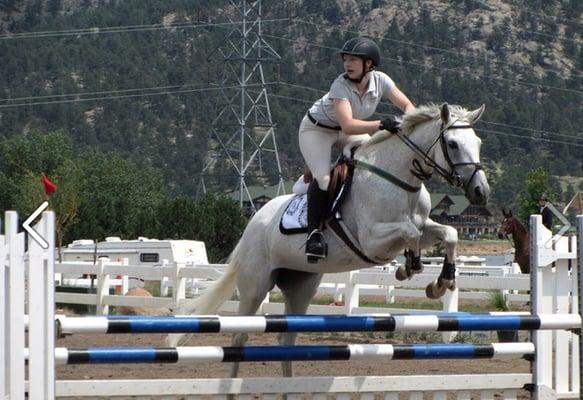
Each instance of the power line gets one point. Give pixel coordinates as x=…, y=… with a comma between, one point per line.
x=93, y=93
x=425, y=66
x=542, y=132
x=434, y=48
x=296, y=99
x=122, y=29
x=530, y=137
x=166, y=92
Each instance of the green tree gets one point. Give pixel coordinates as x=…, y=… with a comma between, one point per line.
x=117, y=197
x=223, y=225
x=214, y=219
x=64, y=201
x=31, y=154
x=537, y=182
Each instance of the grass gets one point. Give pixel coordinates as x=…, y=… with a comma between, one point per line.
x=416, y=303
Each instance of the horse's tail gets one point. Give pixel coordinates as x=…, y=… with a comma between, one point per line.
x=211, y=299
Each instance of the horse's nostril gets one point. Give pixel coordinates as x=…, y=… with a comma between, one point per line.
x=478, y=191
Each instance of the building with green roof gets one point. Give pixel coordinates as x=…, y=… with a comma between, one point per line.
x=456, y=211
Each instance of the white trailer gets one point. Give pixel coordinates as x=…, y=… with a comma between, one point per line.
x=138, y=252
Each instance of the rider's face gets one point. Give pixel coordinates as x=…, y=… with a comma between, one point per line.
x=353, y=65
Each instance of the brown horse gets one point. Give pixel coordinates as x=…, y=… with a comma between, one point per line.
x=512, y=226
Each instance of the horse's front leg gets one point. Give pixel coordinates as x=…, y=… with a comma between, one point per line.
x=412, y=266
x=435, y=233
x=382, y=238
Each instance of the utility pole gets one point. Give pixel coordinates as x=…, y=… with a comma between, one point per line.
x=242, y=143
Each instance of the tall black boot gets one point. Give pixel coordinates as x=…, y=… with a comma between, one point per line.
x=316, y=247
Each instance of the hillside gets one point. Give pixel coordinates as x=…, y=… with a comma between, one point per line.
x=133, y=77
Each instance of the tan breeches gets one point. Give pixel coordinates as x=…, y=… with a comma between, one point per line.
x=316, y=147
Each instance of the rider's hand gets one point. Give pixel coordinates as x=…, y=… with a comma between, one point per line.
x=390, y=124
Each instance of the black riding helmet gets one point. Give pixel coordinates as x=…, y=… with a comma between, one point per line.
x=365, y=49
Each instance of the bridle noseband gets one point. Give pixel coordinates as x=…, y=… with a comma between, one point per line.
x=453, y=177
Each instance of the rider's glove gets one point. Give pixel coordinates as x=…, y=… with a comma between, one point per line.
x=390, y=124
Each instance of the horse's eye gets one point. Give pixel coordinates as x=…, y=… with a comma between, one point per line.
x=452, y=144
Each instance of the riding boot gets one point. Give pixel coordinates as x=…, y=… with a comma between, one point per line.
x=316, y=247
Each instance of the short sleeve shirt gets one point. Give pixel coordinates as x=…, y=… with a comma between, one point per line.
x=379, y=86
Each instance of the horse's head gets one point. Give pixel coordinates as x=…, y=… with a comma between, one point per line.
x=459, y=152
x=507, y=226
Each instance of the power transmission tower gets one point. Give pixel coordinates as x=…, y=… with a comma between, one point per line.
x=242, y=145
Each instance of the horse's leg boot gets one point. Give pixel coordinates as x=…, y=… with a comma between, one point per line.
x=446, y=280
x=412, y=266
x=316, y=247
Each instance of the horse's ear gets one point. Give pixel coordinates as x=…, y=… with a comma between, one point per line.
x=444, y=113
x=509, y=213
x=474, y=116
x=504, y=213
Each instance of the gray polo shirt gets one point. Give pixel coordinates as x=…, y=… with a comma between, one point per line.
x=379, y=86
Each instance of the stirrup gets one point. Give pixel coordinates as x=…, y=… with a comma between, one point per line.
x=316, y=247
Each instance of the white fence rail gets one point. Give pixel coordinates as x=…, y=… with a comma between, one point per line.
x=477, y=282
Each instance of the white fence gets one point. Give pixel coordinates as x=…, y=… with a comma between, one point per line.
x=477, y=282
x=556, y=365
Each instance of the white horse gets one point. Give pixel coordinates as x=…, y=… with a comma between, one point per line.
x=387, y=211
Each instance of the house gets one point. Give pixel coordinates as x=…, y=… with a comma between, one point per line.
x=456, y=211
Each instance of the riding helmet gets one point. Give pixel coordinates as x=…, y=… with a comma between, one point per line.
x=363, y=47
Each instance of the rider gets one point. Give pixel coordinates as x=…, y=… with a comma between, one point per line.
x=338, y=118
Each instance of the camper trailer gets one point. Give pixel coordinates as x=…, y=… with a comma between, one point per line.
x=142, y=251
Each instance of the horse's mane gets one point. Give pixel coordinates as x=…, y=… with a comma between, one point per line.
x=419, y=115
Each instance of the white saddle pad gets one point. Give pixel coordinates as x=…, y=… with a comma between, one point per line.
x=295, y=216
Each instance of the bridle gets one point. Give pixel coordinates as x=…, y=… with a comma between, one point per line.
x=452, y=176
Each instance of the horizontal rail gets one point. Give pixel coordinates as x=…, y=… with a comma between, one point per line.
x=441, y=322
x=139, y=355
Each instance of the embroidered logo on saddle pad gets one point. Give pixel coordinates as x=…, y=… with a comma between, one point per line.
x=295, y=216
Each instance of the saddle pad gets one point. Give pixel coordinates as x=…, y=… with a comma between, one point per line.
x=295, y=216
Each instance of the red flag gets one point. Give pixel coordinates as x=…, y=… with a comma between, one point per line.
x=50, y=187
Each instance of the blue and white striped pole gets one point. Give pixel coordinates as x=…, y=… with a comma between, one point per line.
x=317, y=323
x=291, y=353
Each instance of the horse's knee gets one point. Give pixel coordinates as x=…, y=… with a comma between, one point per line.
x=450, y=237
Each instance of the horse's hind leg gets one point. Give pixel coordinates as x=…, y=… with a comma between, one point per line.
x=433, y=233
x=298, y=289
x=252, y=291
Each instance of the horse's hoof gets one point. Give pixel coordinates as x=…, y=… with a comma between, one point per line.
x=401, y=273
x=434, y=290
x=447, y=283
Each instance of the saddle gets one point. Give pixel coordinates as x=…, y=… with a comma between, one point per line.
x=294, y=218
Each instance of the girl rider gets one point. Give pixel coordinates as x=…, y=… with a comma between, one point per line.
x=338, y=118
